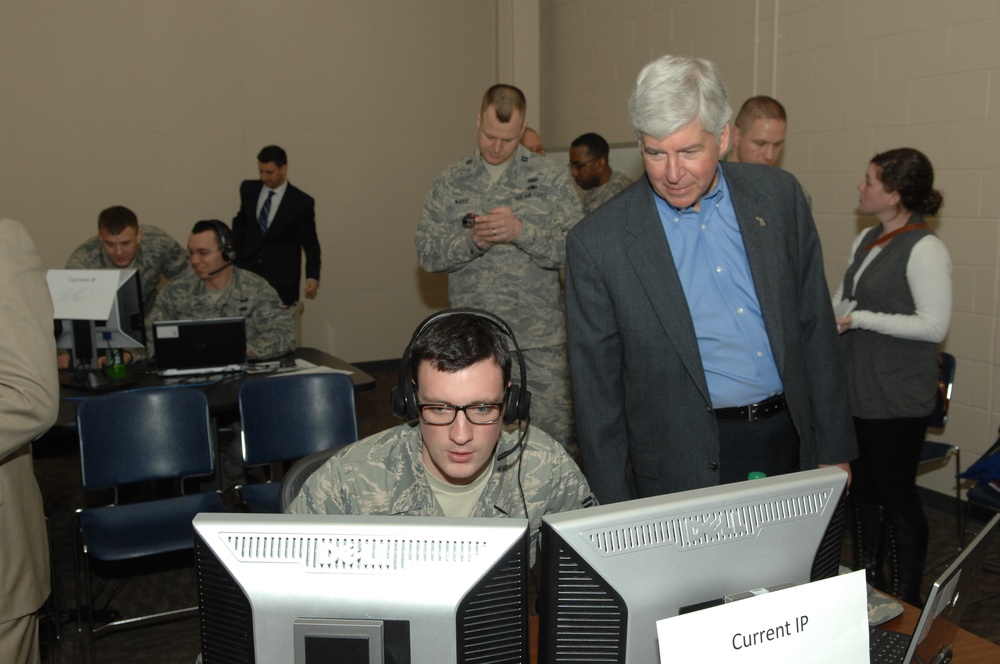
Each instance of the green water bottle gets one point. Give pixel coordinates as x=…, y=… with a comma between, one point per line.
x=114, y=363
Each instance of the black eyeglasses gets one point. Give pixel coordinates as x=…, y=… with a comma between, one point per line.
x=443, y=414
x=577, y=165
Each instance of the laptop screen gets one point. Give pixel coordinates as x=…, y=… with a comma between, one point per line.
x=210, y=343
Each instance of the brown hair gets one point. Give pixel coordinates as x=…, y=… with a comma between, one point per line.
x=116, y=219
x=505, y=99
x=909, y=173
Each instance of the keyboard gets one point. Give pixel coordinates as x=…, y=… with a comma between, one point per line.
x=886, y=647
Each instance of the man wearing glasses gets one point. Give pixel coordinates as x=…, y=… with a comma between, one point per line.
x=215, y=288
x=588, y=164
x=455, y=459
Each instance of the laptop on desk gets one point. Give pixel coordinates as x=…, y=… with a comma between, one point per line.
x=206, y=346
x=935, y=630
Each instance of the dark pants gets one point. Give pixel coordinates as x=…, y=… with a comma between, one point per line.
x=889, y=518
x=770, y=446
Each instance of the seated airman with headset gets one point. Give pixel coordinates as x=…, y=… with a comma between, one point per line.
x=454, y=459
x=216, y=288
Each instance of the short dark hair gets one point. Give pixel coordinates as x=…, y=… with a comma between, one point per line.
x=595, y=144
x=757, y=108
x=505, y=99
x=909, y=173
x=116, y=219
x=458, y=341
x=273, y=153
x=223, y=236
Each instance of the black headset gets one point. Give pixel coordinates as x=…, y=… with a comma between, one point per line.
x=517, y=399
x=225, y=239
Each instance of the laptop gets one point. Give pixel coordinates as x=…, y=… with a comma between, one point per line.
x=935, y=630
x=206, y=346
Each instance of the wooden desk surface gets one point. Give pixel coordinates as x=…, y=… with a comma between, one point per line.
x=966, y=647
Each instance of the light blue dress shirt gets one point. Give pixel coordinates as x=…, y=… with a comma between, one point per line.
x=711, y=262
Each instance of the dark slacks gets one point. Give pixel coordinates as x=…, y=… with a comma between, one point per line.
x=770, y=446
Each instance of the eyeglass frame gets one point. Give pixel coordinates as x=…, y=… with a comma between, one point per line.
x=577, y=165
x=455, y=410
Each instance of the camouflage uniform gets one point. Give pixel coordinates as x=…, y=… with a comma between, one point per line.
x=518, y=281
x=598, y=196
x=159, y=256
x=384, y=474
x=270, y=332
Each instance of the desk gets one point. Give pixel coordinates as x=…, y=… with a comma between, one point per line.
x=966, y=646
x=223, y=394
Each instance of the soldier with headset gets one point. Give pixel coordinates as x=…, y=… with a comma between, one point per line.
x=216, y=288
x=453, y=457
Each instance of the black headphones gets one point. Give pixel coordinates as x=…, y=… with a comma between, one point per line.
x=225, y=239
x=517, y=399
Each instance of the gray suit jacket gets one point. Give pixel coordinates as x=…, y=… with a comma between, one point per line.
x=643, y=412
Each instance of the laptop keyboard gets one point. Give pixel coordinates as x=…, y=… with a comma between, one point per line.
x=886, y=647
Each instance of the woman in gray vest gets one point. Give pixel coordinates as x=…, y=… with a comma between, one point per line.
x=899, y=285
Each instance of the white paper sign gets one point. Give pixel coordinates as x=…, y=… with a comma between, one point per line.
x=819, y=622
x=82, y=294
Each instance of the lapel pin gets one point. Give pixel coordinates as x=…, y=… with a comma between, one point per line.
x=762, y=222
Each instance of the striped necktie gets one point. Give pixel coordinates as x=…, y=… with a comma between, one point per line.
x=265, y=210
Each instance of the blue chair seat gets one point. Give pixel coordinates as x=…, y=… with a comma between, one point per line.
x=122, y=532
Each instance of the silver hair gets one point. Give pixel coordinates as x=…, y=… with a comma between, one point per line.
x=672, y=91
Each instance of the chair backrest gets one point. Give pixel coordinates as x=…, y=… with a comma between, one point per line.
x=946, y=380
x=289, y=417
x=299, y=473
x=144, y=435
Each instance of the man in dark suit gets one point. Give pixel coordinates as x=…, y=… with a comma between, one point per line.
x=275, y=224
x=701, y=337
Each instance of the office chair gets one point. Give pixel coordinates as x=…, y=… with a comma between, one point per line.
x=285, y=418
x=299, y=473
x=986, y=472
x=139, y=437
x=935, y=453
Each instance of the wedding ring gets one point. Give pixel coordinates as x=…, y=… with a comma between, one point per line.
x=494, y=231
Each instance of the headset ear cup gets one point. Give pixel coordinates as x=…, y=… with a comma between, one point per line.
x=523, y=405
x=510, y=404
x=403, y=400
x=515, y=404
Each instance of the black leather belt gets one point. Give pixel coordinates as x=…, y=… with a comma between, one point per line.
x=754, y=411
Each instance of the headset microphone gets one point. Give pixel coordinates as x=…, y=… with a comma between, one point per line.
x=520, y=441
x=215, y=272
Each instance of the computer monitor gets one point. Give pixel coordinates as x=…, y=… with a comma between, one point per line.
x=124, y=326
x=312, y=589
x=610, y=572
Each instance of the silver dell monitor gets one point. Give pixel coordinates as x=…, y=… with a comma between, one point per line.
x=610, y=572
x=312, y=589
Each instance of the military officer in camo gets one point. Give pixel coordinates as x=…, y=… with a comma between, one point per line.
x=215, y=288
x=121, y=243
x=455, y=459
x=496, y=222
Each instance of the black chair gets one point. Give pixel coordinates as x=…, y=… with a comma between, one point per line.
x=135, y=437
x=299, y=473
x=285, y=418
x=936, y=453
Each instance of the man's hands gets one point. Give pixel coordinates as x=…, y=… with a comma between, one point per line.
x=499, y=226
